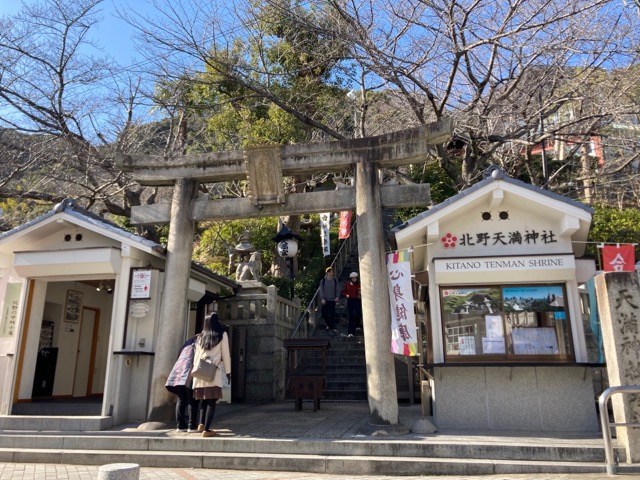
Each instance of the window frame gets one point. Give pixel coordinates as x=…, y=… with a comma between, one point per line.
x=508, y=357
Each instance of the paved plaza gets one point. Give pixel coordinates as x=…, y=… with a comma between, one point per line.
x=21, y=471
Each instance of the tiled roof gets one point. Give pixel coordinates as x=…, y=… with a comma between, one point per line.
x=69, y=207
x=492, y=174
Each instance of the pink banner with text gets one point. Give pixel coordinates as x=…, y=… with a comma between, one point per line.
x=404, y=338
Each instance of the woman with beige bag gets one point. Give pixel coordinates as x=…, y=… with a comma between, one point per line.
x=214, y=343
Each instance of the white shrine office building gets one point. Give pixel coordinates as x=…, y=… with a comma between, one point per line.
x=500, y=264
x=79, y=303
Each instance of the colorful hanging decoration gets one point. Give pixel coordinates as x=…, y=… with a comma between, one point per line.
x=404, y=337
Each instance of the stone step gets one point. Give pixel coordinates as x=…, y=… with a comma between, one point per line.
x=80, y=408
x=275, y=437
x=356, y=363
x=344, y=343
x=346, y=385
x=344, y=395
x=311, y=456
x=335, y=351
x=340, y=372
x=340, y=349
x=55, y=422
x=344, y=375
x=337, y=359
x=283, y=462
x=169, y=441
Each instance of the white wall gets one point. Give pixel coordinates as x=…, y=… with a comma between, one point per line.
x=12, y=290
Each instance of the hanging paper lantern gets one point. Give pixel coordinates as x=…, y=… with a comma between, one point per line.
x=288, y=248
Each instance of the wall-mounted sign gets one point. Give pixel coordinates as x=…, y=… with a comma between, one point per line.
x=9, y=318
x=141, y=284
x=488, y=239
x=139, y=309
x=73, y=307
x=497, y=264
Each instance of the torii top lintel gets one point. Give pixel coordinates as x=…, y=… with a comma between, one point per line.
x=389, y=150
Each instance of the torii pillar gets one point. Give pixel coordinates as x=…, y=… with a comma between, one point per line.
x=381, y=372
x=264, y=168
x=173, y=304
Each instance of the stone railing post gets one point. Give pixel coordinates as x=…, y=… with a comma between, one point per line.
x=272, y=303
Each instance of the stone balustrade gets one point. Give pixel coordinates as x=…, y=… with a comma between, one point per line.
x=267, y=320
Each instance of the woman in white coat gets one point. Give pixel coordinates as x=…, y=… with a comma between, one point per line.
x=212, y=341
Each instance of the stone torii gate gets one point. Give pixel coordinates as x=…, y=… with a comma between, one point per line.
x=264, y=167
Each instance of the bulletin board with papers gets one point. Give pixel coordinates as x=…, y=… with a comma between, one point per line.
x=535, y=341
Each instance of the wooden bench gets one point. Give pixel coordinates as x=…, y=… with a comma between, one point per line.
x=307, y=387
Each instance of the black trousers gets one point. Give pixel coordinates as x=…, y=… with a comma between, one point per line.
x=186, y=408
x=354, y=310
x=329, y=314
x=207, y=411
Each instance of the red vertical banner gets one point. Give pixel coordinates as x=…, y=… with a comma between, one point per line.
x=345, y=225
x=618, y=258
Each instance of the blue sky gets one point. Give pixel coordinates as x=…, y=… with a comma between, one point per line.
x=112, y=33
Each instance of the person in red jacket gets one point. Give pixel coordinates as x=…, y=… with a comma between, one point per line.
x=351, y=291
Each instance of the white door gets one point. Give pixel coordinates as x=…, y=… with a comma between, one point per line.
x=84, y=362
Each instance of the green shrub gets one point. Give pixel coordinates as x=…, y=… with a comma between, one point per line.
x=283, y=285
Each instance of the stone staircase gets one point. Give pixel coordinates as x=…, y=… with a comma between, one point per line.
x=346, y=375
x=346, y=371
x=274, y=437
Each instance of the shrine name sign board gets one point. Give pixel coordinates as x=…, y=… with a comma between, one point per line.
x=502, y=264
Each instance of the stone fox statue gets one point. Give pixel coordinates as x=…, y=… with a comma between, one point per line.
x=250, y=270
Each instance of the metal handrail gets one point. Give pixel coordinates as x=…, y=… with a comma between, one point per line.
x=429, y=378
x=606, y=425
x=307, y=310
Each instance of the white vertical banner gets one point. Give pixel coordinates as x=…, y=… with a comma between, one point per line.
x=325, y=219
x=404, y=335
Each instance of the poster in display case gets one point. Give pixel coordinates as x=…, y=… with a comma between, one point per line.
x=534, y=341
x=73, y=306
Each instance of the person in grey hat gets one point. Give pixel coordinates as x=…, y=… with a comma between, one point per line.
x=351, y=291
